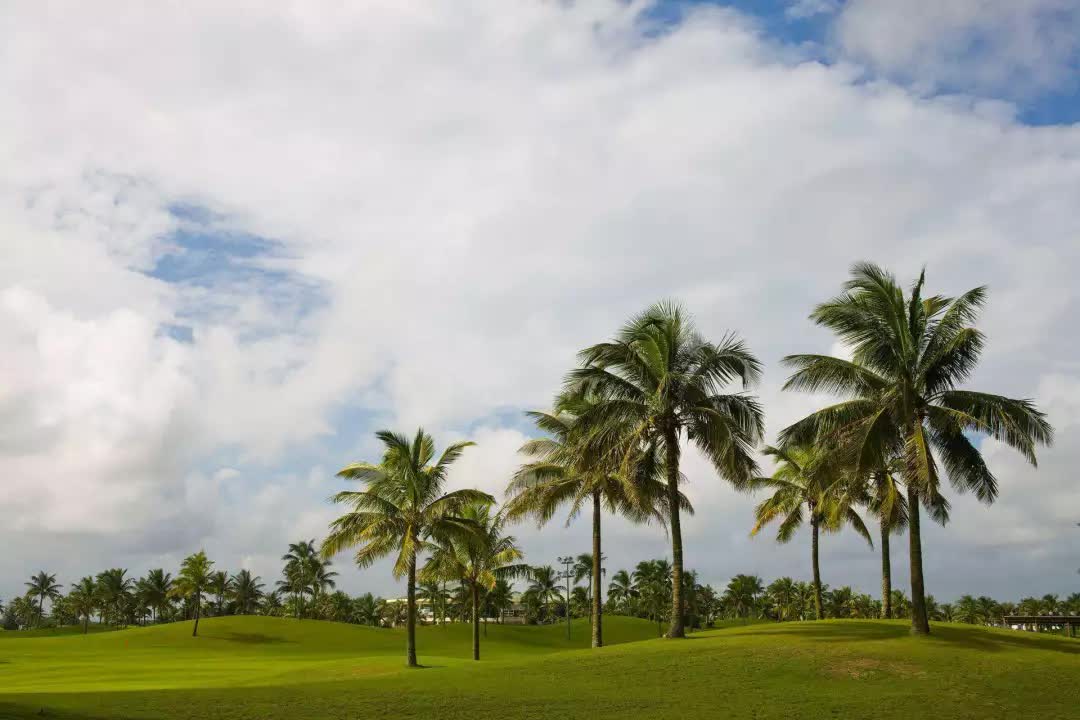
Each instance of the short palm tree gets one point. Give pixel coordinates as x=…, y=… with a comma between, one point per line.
x=652, y=580
x=299, y=571
x=43, y=586
x=402, y=507
x=479, y=557
x=622, y=592
x=154, y=589
x=544, y=586
x=114, y=591
x=569, y=469
x=365, y=610
x=910, y=354
x=246, y=591
x=743, y=595
x=194, y=580
x=501, y=597
x=83, y=599
x=805, y=477
x=219, y=587
x=659, y=381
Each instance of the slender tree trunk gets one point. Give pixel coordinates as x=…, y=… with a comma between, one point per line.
x=475, y=622
x=886, y=571
x=410, y=614
x=86, y=623
x=597, y=609
x=818, y=610
x=920, y=624
x=198, y=605
x=671, y=440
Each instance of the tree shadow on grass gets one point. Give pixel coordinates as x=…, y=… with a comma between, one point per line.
x=252, y=638
x=983, y=639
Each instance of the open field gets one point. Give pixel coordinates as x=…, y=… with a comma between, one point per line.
x=252, y=667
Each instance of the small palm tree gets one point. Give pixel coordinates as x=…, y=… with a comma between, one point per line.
x=652, y=579
x=43, y=586
x=743, y=594
x=246, y=591
x=194, y=580
x=298, y=572
x=805, y=476
x=783, y=598
x=401, y=509
x=154, y=591
x=219, y=587
x=659, y=381
x=365, y=610
x=83, y=599
x=271, y=604
x=479, y=556
x=622, y=592
x=544, y=586
x=501, y=597
x=909, y=356
x=114, y=593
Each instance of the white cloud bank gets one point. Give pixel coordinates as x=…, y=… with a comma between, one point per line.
x=472, y=191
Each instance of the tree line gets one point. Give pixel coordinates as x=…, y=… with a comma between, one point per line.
x=902, y=426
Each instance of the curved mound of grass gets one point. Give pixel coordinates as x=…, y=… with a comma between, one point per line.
x=265, y=668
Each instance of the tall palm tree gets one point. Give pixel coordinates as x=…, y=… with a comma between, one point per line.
x=805, y=476
x=544, y=586
x=43, y=586
x=652, y=579
x=83, y=599
x=401, y=508
x=909, y=356
x=570, y=469
x=478, y=557
x=246, y=590
x=194, y=580
x=298, y=572
x=322, y=577
x=659, y=381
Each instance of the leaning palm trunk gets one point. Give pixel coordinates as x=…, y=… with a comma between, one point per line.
x=675, y=630
x=597, y=619
x=475, y=621
x=920, y=624
x=818, y=612
x=886, y=571
x=410, y=614
x=198, y=606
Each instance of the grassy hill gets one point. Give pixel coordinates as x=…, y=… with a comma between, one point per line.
x=254, y=667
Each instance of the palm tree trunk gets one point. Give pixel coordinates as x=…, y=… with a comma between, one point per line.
x=886, y=571
x=817, y=567
x=86, y=623
x=198, y=605
x=597, y=619
x=920, y=624
x=410, y=614
x=671, y=441
x=475, y=622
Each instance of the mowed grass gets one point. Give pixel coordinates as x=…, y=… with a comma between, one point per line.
x=271, y=668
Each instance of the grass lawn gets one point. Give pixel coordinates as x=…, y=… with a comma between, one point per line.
x=251, y=667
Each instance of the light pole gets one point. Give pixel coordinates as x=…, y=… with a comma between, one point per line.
x=568, y=576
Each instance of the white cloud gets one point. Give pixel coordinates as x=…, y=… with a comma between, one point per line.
x=460, y=199
x=1015, y=47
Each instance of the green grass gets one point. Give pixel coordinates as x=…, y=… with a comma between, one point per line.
x=53, y=631
x=271, y=668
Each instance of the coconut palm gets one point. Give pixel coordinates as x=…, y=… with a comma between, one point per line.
x=622, y=592
x=298, y=573
x=245, y=591
x=43, y=586
x=194, y=580
x=114, y=592
x=805, y=476
x=219, y=587
x=433, y=592
x=501, y=597
x=154, y=591
x=478, y=557
x=743, y=594
x=365, y=610
x=783, y=598
x=544, y=586
x=401, y=509
x=659, y=381
x=909, y=355
x=652, y=578
x=83, y=600
x=271, y=604
x=570, y=469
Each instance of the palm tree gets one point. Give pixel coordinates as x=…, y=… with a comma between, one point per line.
x=657, y=381
x=571, y=469
x=433, y=593
x=622, y=592
x=909, y=355
x=298, y=571
x=193, y=580
x=43, y=586
x=402, y=507
x=83, y=599
x=501, y=597
x=805, y=476
x=544, y=586
x=271, y=603
x=652, y=579
x=246, y=591
x=154, y=590
x=743, y=595
x=365, y=610
x=478, y=556
x=114, y=591
x=783, y=598
x=219, y=587
x=885, y=499
x=322, y=577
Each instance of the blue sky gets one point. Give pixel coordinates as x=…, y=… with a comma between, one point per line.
x=331, y=220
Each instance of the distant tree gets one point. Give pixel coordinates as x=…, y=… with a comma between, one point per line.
x=743, y=594
x=219, y=587
x=43, y=586
x=501, y=598
x=115, y=589
x=271, y=604
x=652, y=579
x=622, y=592
x=365, y=610
x=401, y=508
x=298, y=573
x=544, y=587
x=83, y=599
x=783, y=599
x=154, y=590
x=193, y=581
x=246, y=590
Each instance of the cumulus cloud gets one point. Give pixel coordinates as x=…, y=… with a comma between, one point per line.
x=451, y=202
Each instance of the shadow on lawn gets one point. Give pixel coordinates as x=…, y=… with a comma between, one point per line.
x=984, y=639
x=252, y=638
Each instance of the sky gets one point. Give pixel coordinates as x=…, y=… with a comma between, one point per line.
x=236, y=240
